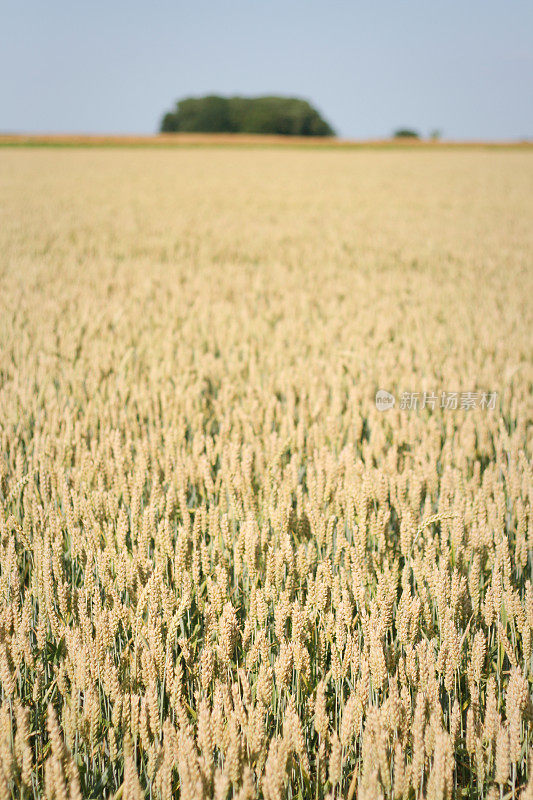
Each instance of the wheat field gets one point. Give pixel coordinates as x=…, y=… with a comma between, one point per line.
x=224, y=573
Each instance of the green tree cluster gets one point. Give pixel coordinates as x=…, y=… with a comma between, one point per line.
x=406, y=133
x=289, y=116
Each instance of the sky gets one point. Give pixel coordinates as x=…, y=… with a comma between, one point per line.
x=464, y=67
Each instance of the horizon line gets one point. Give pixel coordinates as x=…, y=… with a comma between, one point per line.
x=236, y=139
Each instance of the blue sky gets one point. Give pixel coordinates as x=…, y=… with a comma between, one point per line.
x=462, y=66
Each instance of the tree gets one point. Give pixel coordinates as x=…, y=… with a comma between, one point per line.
x=406, y=133
x=289, y=116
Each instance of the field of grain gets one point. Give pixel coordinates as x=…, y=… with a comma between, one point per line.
x=223, y=571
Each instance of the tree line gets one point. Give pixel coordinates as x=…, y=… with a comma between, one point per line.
x=288, y=116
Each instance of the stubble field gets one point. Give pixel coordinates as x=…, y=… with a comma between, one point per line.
x=223, y=571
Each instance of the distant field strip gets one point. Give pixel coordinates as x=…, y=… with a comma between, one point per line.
x=245, y=140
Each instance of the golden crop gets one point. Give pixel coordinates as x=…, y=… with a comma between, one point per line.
x=223, y=572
